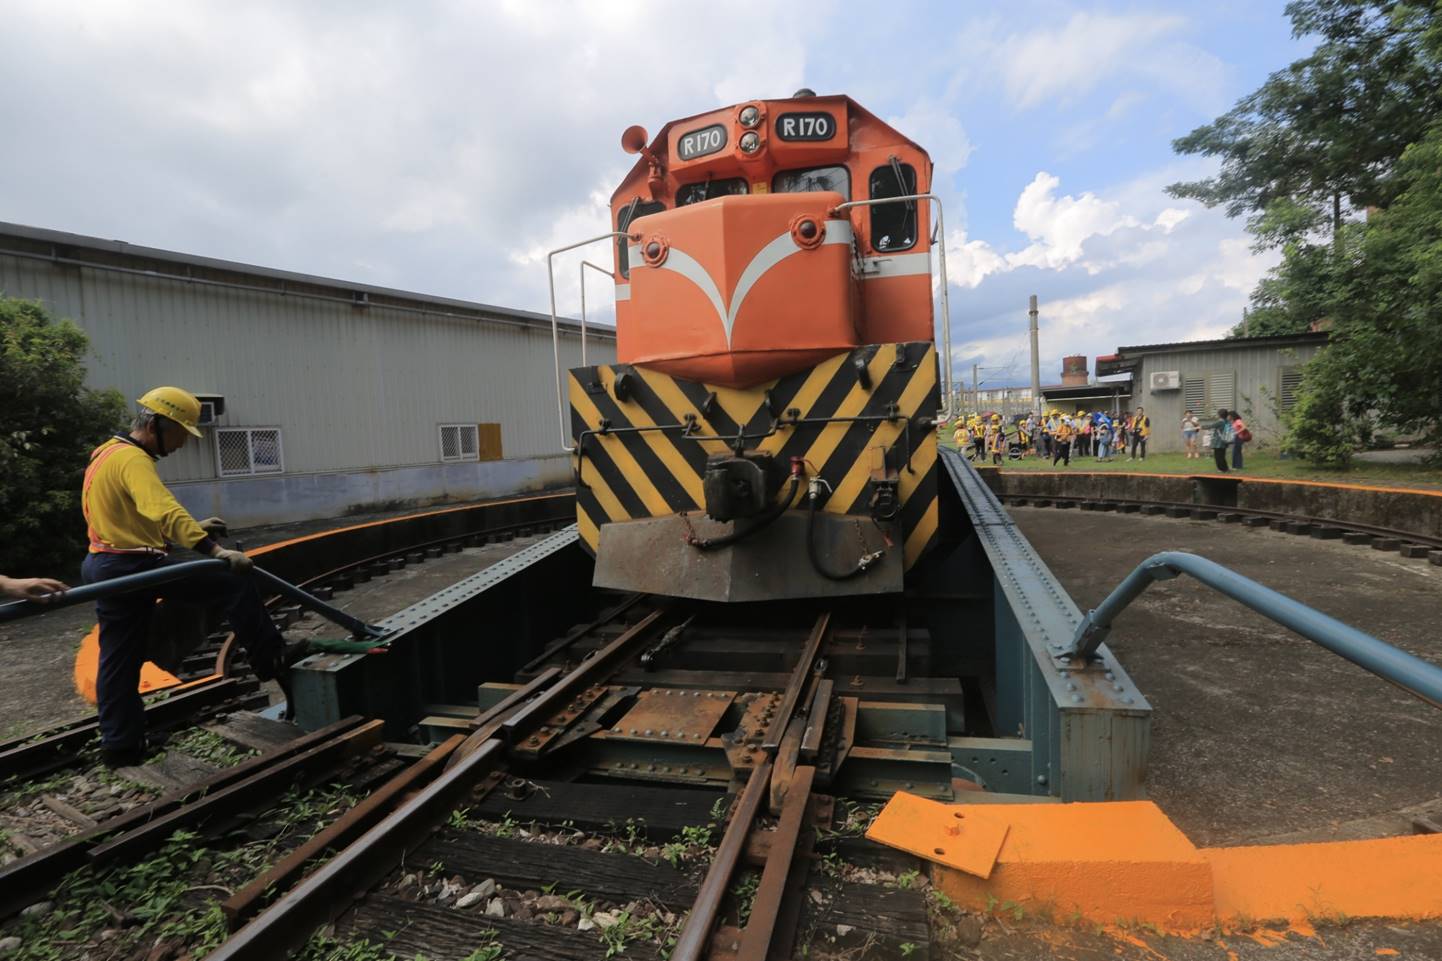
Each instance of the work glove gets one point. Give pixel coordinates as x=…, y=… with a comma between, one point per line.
x=214, y=526
x=239, y=562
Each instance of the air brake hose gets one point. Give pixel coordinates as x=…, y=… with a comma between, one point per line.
x=762, y=520
x=862, y=565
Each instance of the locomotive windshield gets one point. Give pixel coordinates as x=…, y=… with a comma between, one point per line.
x=710, y=190
x=893, y=226
x=817, y=178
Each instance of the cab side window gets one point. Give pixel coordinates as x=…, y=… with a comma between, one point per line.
x=629, y=214
x=893, y=226
x=817, y=178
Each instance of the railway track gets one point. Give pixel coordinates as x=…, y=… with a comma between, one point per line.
x=1408, y=543
x=216, y=682
x=662, y=778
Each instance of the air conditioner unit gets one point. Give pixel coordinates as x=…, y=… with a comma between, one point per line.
x=211, y=407
x=1166, y=380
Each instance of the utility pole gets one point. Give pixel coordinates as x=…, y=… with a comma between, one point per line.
x=1035, y=359
x=975, y=389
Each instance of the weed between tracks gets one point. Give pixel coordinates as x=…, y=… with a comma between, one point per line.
x=168, y=905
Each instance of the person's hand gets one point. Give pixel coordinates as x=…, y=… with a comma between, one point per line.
x=239, y=562
x=214, y=526
x=32, y=588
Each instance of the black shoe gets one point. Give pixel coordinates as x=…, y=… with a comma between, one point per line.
x=114, y=757
x=269, y=663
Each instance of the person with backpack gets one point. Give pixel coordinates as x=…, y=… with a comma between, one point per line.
x=1240, y=436
x=1221, y=430
x=1141, y=430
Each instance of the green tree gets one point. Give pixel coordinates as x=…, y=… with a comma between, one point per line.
x=1322, y=137
x=49, y=423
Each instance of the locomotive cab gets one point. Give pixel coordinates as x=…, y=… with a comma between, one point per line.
x=766, y=431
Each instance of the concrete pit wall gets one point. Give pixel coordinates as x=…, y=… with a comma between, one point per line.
x=1414, y=512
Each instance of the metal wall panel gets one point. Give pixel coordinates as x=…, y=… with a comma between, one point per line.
x=352, y=388
x=1258, y=389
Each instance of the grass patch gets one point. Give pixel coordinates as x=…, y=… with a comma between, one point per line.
x=1262, y=463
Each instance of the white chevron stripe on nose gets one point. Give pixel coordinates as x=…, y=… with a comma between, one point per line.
x=783, y=246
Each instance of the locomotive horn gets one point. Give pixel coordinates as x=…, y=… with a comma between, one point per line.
x=634, y=139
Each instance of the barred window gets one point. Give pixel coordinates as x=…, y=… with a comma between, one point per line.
x=1221, y=390
x=248, y=450
x=1194, y=393
x=1289, y=380
x=459, y=442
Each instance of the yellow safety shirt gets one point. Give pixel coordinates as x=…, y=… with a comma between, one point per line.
x=127, y=508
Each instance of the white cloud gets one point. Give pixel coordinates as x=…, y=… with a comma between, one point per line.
x=939, y=132
x=1068, y=61
x=1058, y=226
x=968, y=262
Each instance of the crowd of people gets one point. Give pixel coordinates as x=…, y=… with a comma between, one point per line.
x=1059, y=437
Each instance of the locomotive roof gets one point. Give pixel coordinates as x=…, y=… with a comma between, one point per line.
x=658, y=144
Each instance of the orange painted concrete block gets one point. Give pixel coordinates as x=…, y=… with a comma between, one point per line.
x=1108, y=861
x=1381, y=878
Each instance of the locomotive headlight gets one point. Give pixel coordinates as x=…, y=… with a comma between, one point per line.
x=750, y=116
x=750, y=142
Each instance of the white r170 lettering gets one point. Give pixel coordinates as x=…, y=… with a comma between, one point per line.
x=805, y=126
x=698, y=143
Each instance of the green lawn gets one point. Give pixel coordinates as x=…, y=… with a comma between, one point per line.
x=1264, y=463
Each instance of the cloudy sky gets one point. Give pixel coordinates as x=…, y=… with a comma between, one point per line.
x=443, y=146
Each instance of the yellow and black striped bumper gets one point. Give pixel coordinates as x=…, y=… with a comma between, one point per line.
x=643, y=438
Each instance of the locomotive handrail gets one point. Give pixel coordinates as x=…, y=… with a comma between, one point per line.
x=599, y=269
x=556, y=328
x=945, y=413
x=1410, y=673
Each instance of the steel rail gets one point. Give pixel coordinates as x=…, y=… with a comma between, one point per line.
x=1345, y=525
x=759, y=937
x=319, y=899
x=797, y=684
x=26, y=880
x=692, y=942
x=244, y=904
x=1412, y=674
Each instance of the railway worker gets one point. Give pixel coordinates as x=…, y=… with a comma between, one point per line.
x=1083, y=434
x=998, y=445
x=978, y=439
x=31, y=588
x=1221, y=430
x=132, y=521
x=1141, y=430
x=961, y=437
x=1062, y=442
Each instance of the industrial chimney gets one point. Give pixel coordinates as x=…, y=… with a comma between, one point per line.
x=1074, y=371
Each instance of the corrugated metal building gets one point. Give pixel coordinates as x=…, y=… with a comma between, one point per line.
x=332, y=397
x=1258, y=376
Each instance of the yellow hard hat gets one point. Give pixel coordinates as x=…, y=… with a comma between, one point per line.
x=176, y=404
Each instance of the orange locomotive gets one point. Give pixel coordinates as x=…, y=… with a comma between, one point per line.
x=767, y=431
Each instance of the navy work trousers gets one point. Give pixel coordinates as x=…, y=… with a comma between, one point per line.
x=125, y=626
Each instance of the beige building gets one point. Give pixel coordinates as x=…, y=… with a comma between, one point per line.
x=323, y=396
x=1257, y=376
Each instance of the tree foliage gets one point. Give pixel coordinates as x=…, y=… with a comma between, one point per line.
x=1355, y=126
x=1322, y=136
x=49, y=423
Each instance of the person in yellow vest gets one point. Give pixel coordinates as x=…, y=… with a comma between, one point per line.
x=1141, y=430
x=133, y=521
x=1061, y=442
